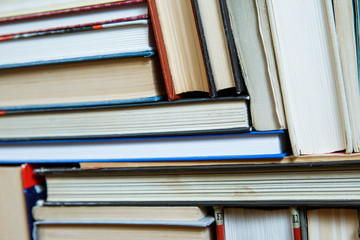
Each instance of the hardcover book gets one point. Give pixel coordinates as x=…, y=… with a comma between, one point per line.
x=179, y=47
x=107, y=119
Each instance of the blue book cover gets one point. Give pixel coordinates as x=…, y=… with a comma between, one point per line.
x=250, y=145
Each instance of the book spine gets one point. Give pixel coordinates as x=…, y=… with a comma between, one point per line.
x=169, y=85
x=235, y=65
x=219, y=219
x=296, y=223
x=34, y=190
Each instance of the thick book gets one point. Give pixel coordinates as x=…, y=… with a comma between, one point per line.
x=105, y=120
x=333, y=223
x=13, y=208
x=189, y=147
x=104, y=41
x=247, y=223
x=29, y=25
x=311, y=76
x=13, y=10
x=250, y=42
x=179, y=47
x=345, y=31
x=128, y=78
x=85, y=213
x=254, y=186
x=126, y=230
x=214, y=45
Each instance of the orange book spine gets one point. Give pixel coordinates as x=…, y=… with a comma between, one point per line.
x=160, y=44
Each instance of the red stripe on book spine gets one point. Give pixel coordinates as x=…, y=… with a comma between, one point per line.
x=30, y=179
x=38, y=32
x=2, y=112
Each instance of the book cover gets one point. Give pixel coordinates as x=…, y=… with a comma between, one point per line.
x=249, y=145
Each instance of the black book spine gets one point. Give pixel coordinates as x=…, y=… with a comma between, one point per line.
x=209, y=72
x=239, y=80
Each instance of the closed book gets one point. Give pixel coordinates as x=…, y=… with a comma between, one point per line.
x=333, y=223
x=107, y=41
x=128, y=78
x=108, y=119
x=20, y=8
x=189, y=147
x=247, y=223
x=21, y=26
x=214, y=45
x=251, y=186
x=248, y=24
x=312, y=85
x=179, y=47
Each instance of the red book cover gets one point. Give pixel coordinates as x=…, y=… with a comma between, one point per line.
x=162, y=51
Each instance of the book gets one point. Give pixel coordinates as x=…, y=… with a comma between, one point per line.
x=255, y=53
x=128, y=231
x=309, y=66
x=127, y=222
x=189, y=147
x=17, y=9
x=243, y=223
x=117, y=213
x=192, y=116
x=12, y=27
x=214, y=45
x=134, y=77
x=333, y=223
x=179, y=48
x=104, y=41
x=233, y=185
x=13, y=209
x=345, y=25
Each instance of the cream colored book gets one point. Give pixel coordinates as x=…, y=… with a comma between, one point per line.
x=12, y=8
x=246, y=223
x=345, y=25
x=13, y=213
x=250, y=27
x=84, y=83
x=121, y=232
x=309, y=67
x=332, y=224
x=93, y=213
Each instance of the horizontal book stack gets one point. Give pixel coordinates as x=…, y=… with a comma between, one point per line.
x=145, y=116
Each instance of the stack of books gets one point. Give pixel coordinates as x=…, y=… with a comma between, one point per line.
x=139, y=103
